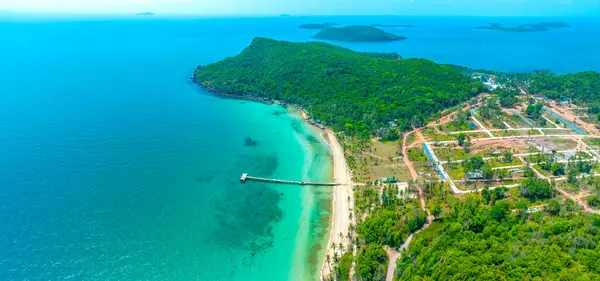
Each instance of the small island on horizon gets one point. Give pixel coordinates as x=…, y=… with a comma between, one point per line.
x=145, y=14
x=318, y=25
x=357, y=33
x=393, y=25
x=536, y=27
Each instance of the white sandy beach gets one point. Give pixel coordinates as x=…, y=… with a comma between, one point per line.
x=343, y=201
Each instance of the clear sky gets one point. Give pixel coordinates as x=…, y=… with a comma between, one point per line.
x=310, y=7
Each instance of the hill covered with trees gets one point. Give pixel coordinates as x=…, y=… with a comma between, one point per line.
x=357, y=33
x=353, y=92
x=480, y=239
x=582, y=87
x=317, y=25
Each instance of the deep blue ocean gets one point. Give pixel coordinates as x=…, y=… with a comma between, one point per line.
x=114, y=167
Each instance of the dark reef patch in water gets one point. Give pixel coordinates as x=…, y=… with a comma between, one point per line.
x=246, y=220
x=297, y=126
x=204, y=178
x=262, y=165
x=312, y=139
x=250, y=142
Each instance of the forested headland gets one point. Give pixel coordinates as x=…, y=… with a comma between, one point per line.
x=357, y=93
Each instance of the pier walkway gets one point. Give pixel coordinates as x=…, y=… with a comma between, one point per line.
x=245, y=177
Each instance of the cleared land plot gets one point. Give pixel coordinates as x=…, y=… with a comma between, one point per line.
x=555, y=120
x=573, y=188
x=455, y=126
x=421, y=163
x=399, y=171
x=544, y=157
x=515, y=121
x=511, y=133
x=381, y=160
x=431, y=135
x=517, y=146
x=578, y=155
x=387, y=150
x=477, y=185
x=559, y=132
x=489, y=124
x=556, y=144
x=593, y=143
x=426, y=171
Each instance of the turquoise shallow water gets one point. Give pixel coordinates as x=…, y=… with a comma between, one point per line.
x=114, y=167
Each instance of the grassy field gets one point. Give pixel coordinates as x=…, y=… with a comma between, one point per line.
x=454, y=126
x=380, y=159
x=592, y=142
x=500, y=163
x=417, y=155
x=455, y=171
x=448, y=153
x=432, y=135
x=515, y=121
x=399, y=171
x=386, y=150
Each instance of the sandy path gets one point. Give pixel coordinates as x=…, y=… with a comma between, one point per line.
x=340, y=220
x=409, y=165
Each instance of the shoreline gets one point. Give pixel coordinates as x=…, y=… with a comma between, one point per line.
x=342, y=195
x=343, y=203
x=311, y=241
x=343, y=199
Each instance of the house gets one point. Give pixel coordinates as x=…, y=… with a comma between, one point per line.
x=389, y=180
x=475, y=175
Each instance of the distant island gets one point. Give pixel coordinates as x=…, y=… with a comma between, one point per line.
x=285, y=15
x=393, y=25
x=318, y=25
x=536, y=27
x=357, y=34
x=145, y=14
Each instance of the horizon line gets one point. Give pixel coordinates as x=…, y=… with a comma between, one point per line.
x=282, y=15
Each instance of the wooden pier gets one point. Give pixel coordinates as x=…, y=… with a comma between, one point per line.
x=245, y=177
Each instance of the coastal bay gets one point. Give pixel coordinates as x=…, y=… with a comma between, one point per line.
x=145, y=170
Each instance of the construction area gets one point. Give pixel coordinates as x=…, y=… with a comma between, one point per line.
x=483, y=144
